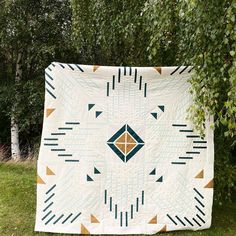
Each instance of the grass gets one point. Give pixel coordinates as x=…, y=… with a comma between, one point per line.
x=18, y=199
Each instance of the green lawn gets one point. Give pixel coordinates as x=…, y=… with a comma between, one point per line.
x=17, y=205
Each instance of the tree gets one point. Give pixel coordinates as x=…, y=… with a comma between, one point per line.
x=31, y=33
x=110, y=32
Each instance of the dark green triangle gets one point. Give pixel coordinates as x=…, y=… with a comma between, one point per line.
x=90, y=106
x=154, y=114
x=89, y=178
x=96, y=171
x=153, y=172
x=160, y=179
x=162, y=108
x=98, y=113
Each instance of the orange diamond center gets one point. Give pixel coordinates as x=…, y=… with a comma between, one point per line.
x=125, y=143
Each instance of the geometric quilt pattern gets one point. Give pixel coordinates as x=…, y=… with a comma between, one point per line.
x=118, y=154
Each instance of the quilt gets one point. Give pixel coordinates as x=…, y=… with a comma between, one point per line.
x=118, y=155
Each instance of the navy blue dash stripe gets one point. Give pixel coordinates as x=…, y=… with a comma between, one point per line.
x=192, y=152
x=115, y=211
x=135, y=75
x=199, y=147
x=47, y=207
x=179, y=125
x=71, y=160
x=49, y=198
x=113, y=82
x=193, y=136
x=53, y=65
x=72, y=123
x=71, y=67
x=178, y=163
x=196, y=222
x=48, y=139
x=58, y=219
x=51, y=93
x=50, y=144
x=186, y=130
x=49, y=76
x=110, y=203
x=199, y=202
x=188, y=221
x=65, y=155
x=142, y=197
x=140, y=82
x=64, y=221
x=58, y=133
x=121, y=219
x=105, y=198
x=137, y=204
x=58, y=149
x=119, y=72
x=145, y=90
x=199, y=141
x=49, y=190
x=46, y=215
x=130, y=71
x=65, y=128
x=174, y=70
x=75, y=217
x=49, y=84
x=191, y=69
x=180, y=221
x=183, y=70
x=198, y=193
x=171, y=219
x=62, y=66
x=79, y=68
x=124, y=70
x=187, y=158
x=132, y=211
x=107, y=89
x=50, y=219
x=49, y=68
x=200, y=210
x=126, y=218
x=200, y=218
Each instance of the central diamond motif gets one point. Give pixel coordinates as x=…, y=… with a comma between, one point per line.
x=125, y=143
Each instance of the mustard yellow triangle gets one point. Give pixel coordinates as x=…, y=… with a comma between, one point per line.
x=49, y=111
x=210, y=184
x=129, y=147
x=200, y=175
x=130, y=139
x=84, y=230
x=94, y=219
x=121, y=146
x=158, y=69
x=49, y=171
x=163, y=229
x=121, y=139
x=39, y=180
x=153, y=220
x=95, y=67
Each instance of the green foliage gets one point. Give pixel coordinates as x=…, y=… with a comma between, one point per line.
x=110, y=32
x=40, y=31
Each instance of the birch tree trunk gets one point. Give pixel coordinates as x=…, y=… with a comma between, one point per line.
x=15, y=144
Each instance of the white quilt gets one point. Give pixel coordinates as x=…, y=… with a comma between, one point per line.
x=118, y=155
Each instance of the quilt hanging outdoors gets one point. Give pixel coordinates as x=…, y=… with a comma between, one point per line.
x=118, y=155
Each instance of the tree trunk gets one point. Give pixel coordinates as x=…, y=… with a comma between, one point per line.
x=15, y=144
